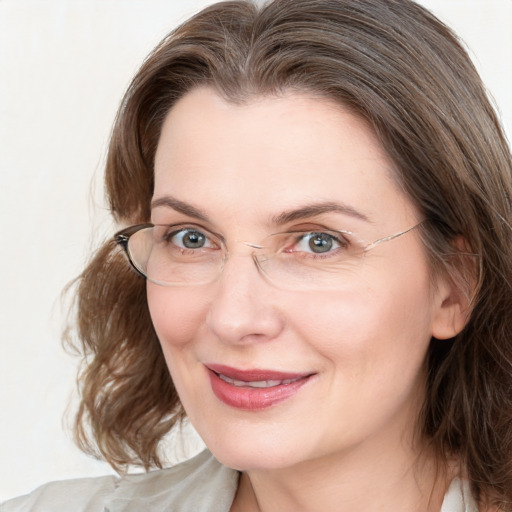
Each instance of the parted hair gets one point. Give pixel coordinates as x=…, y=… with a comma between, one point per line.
x=397, y=66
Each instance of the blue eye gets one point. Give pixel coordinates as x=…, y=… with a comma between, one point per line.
x=190, y=239
x=318, y=243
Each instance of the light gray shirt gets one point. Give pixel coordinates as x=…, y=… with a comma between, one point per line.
x=200, y=484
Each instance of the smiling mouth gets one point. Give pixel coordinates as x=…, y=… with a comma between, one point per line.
x=253, y=390
x=257, y=383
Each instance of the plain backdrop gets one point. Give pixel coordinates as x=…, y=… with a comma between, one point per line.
x=64, y=65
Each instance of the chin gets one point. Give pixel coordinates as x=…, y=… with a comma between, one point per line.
x=260, y=452
x=252, y=460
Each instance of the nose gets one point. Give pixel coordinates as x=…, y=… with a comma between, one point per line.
x=243, y=308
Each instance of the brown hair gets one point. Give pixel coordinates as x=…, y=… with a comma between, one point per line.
x=396, y=65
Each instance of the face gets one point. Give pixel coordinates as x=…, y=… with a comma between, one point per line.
x=271, y=377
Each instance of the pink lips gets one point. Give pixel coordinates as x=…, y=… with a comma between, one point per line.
x=254, y=390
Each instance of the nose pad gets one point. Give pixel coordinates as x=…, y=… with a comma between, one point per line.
x=242, y=309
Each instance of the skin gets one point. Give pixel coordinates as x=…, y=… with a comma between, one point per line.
x=345, y=440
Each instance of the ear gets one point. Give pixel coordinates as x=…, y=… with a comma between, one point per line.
x=453, y=294
x=452, y=310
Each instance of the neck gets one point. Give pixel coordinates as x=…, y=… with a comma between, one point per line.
x=393, y=479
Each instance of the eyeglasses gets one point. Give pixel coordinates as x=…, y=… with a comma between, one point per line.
x=189, y=255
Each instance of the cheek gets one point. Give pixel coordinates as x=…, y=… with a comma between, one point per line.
x=177, y=314
x=380, y=322
x=178, y=317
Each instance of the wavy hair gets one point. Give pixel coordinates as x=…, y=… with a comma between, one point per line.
x=397, y=66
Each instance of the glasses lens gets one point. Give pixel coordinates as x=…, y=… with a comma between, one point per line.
x=170, y=256
x=310, y=260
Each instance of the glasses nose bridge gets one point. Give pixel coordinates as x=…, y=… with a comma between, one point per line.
x=250, y=244
x=251, y=253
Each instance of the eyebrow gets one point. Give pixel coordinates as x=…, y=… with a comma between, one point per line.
x=310, y=210
x=180, y=206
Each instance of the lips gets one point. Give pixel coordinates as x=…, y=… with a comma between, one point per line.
x=254, y=389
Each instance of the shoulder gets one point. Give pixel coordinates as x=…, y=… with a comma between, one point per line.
x=201, y=483
x=80, y=495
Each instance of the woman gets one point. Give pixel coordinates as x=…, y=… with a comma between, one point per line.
x=315, y=196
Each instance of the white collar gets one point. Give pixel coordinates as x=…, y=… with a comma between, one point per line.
x=458, y=498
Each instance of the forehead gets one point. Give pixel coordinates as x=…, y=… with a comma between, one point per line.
x=272, y=154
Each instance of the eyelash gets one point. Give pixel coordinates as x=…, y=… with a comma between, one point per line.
x=302, y=236
x=173, y=231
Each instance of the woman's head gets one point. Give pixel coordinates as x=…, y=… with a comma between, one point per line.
x=401, y=74
x=285, y=257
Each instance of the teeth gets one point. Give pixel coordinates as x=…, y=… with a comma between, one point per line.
x=257, y=383
x=260, y=383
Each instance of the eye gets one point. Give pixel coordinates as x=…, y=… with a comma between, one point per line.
x=189, y=238
x=318, y=243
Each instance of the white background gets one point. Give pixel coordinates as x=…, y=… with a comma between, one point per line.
x=64, y=65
